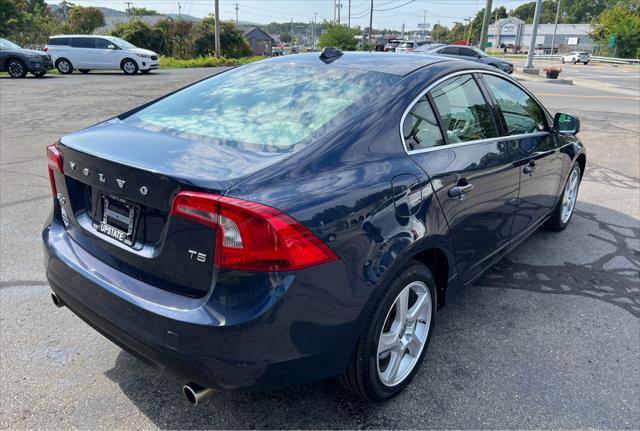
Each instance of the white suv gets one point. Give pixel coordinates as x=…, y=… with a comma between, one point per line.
x=86, y=52
x=576, y=57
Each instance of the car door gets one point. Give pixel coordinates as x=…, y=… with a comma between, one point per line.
x=539, y=159
x=453, y=134
x=82, y=52
x=105, y=57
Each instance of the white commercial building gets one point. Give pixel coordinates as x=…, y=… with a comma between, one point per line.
x=513, y=33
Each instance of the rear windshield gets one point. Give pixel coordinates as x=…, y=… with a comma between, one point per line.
x=406, y=45
x=265, y=107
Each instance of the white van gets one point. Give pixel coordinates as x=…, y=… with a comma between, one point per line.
x=86, y=52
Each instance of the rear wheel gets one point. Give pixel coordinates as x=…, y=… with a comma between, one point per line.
x=390, y=350
x=129, y=66
x=563, y=212
x=574, y=61
x=64, y=66
x=586, y=62
x=16, y=68
x=84, y=70
x=562, y=61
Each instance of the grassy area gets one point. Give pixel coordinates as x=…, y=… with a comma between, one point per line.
x=175, y=63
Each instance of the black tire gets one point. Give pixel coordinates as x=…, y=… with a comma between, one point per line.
x=129, y=66
x=574, y=61
x=64, y=66
x=145, y=71
x=16, y=68
x=84, y=70
x=39, y=73
x=562, y=61
x=362, y=376
x=556, y=222
x=586, y=62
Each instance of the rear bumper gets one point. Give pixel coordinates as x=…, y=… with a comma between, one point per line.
x=297, y=333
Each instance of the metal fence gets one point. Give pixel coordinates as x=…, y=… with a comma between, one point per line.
x=595, y=59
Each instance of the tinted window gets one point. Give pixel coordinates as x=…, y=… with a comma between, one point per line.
x=420, y=128
x=82, y=42
x=464, y=112
x=521, y=113
x=102, y=43
x=451, y=50
x=266, y=107
x=59, y=41
x=467, y=52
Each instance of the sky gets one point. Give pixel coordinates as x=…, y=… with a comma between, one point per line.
x=387, y=13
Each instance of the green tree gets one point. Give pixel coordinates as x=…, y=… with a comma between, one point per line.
x=11, y=18
x=142, y=35
x=232, y=41
x=623, y=21
x=84, y=20
x=142, y=11
x=439, y=33
x=339, y=36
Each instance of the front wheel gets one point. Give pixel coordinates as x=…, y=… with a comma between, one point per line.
x=574, y=61
x=16, y=69
x=129, y=66
x=390, y=350
x=563, y=211
x=586, y=62
x=562, y=61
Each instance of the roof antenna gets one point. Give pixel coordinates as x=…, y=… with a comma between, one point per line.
x=330, y=54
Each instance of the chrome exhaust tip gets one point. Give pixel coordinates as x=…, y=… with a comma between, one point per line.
x=195, y=393
x=57, y=301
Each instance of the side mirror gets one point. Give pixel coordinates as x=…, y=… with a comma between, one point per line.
x=110, y=46
x=565, y=124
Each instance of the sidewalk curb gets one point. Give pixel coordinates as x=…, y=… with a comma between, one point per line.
x=526, y=77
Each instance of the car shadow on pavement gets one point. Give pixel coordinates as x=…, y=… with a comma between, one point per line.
x=597, y=257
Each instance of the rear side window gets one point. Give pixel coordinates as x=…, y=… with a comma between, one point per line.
x=467, y=52
x=521, y=113
x=463, y=110
x=420, y=128
x=82, y=42
x=59, y=41
x=451, y=50
x=102, y=43
x=266, y=107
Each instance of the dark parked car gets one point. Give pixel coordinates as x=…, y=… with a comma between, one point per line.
x=473, y=54
x=18, y=61
x=244, y=234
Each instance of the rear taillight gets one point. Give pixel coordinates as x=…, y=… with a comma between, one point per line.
x=46, y=48
x=55, y=163
x=251, y=236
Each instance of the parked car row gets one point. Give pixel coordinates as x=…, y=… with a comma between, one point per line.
x=472, y=54
x=77, y=52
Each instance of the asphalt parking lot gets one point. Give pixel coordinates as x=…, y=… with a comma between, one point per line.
x=549, y=338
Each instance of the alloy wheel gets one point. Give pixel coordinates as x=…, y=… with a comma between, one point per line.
x=404, y=333
x=570, y=196
x=64, y=66
x=129, y=67
x=16, y=69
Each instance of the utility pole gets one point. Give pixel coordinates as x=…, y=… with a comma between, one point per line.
x=128, y=3
x=334, y=11
x=349, y=20
x=339, y=7
x=555, y=28
x=217, y=28
x=485, y=24
x=237, y=14
x=315, y=18
x=534, y=35
x=402, y=35
x=370, y=21
x=424, y=25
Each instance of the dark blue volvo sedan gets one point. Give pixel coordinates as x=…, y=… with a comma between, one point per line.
x=304, y=217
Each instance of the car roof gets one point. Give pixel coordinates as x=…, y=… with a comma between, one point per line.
x=79, y=35
x=383, y=62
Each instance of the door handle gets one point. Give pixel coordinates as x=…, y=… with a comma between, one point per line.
x=460, y=189
x=530, y=168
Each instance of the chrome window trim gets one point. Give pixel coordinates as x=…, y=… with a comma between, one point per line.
x=477, y=141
